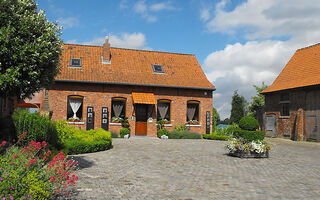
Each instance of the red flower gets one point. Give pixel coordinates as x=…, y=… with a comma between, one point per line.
x=15, y=156
x=11, y=163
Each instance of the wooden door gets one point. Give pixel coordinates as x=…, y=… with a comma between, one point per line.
x=141, y=119
x=271, y=125
x=313, y=115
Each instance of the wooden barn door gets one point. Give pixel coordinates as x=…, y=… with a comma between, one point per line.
x=313, y=115
x=271, y=126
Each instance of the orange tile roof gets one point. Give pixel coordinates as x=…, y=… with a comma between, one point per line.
x=143, y=98
x=129, y=66
x=303, y=69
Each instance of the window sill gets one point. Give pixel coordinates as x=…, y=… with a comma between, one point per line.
x=284, y=117
x=166, y=125
x=76, y=123
x=194, y=125
x=115, y=124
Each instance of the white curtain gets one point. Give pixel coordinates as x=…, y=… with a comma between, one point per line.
x=191, y=111
x=163, y=109
x=117, y=108
x=75, y=104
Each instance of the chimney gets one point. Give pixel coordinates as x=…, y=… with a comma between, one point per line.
x=106, y=54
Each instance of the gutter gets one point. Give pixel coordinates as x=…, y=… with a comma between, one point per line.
x=133, y=84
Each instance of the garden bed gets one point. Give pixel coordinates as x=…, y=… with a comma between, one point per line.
x=249, y=154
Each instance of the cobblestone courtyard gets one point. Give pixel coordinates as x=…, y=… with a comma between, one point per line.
x=198, y=169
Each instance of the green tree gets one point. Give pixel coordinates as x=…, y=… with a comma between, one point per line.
x=30, y=47
x=257, y=102
x=238, y=109
x=215, y=118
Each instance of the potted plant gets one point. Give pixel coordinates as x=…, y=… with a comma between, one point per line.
x=116, y=119
x=193, y=122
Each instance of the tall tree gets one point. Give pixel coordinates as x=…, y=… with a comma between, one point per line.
x=257, y=102
x=215, y=118
x=30, y=47
x=237, y=107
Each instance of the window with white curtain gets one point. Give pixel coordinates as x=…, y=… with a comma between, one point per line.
x=193, y=111
x=75, y=107
x=118, y=108
x=163, y=110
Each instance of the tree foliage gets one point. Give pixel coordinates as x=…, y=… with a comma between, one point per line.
x=257, y=102
x=238, y=107
x=30, y=47
x=215, y=118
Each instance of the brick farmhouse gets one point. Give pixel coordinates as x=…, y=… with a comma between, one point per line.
x=100, y=85
x=292, y=102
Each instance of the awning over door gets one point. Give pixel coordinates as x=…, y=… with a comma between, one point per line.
x=143, y=98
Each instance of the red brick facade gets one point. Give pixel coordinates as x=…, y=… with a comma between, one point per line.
x=100, y=95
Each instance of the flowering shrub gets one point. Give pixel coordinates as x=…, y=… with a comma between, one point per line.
x=27, y=173
x=258, y=146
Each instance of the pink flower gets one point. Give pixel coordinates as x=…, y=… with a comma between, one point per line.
x=11, y=163
x=15, y=156
x=3, y=143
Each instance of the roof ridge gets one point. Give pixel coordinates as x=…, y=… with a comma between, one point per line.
x=131, y=49
x=308, y=46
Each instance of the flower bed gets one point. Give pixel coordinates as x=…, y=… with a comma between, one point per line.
x=243, y=149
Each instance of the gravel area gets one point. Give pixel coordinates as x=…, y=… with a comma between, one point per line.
x=150, y=168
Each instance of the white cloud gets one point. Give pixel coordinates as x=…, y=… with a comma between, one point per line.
x=68, y=22
x=205, y=14
x=261, y=58
x=124, y=40
x=147, y=11
x=161, y=6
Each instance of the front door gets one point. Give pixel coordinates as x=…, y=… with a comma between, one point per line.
x=141, y=119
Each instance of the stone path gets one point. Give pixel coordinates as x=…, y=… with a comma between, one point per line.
x=198, y=169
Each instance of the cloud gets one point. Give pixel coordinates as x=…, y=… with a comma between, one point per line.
x=272, y=30
x=68, y=22
x=124, y=40
x=205, y=14
x=147, y=11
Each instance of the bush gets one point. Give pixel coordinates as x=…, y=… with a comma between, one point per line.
x=182, y=128
x=124, y=131
x=248, y=123
x=249, y=136
x=215, y=137
x=81, y=141
x=227, y=130
x=78, y=146
x=39, y=128
x=183, y=135
x=162, y=132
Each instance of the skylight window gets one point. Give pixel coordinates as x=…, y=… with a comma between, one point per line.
x=75, y=62
x=157, y=68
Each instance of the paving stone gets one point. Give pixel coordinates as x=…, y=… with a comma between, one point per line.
x=198, y=169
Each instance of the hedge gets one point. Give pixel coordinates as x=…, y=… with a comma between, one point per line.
x=78, y=146
x=248, y=123
x=249, y=136
x=183, y=135
x=215, y=137
x=124, y=131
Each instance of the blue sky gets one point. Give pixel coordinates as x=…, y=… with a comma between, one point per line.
x=238, y=43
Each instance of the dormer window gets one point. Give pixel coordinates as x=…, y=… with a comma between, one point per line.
x=157, y=69
x=75, y=62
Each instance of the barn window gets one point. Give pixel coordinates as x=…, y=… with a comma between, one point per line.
x=74, y=107
x=193, y=112
x=163, y=108
x=285, y=111
x=118, y=109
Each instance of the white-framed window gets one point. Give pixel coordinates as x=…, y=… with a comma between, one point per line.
x=157, y=68
x=75, y=62
x=75, y=107
x=163, y=110
x=118, y=109
x=193, y=111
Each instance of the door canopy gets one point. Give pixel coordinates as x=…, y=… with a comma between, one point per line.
x=143, y=98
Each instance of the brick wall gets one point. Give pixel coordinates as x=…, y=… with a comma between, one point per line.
x=99, y=96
